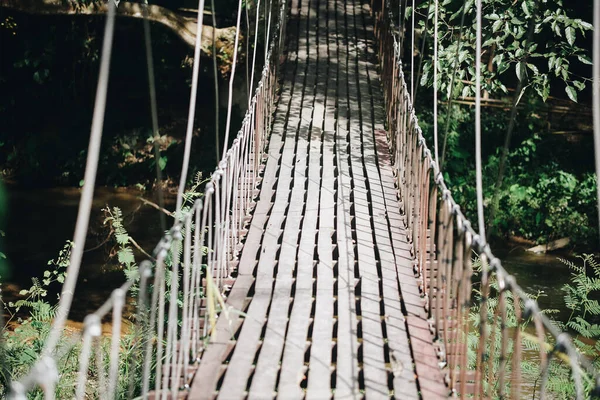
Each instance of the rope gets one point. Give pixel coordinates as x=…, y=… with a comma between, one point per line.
x=478, y=177
x=87, y=194
x=192, y=110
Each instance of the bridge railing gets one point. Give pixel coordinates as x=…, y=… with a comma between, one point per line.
x=177, y=292
x=481, y=320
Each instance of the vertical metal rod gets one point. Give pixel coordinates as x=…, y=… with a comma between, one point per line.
x=435, y=82
x=87, y=194
x=478, y=166
x=596, y=101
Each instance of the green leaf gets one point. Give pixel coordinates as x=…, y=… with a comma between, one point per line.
x=497, y=25
x=23, y=292
x=60, y=278
x=37, y=78
x=572, y=93
x=579, y=85
x=122, y=239
x=533, y=68
x=46, y=274
x=126, y=256
x=585, y=59
x=585, y=25
x=570, y=33
x=162, y=163
x=81, y=183
x=521, y=70
x=526, y=9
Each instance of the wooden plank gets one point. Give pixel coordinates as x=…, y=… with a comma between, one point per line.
x=209, y=371
x=267, y=368
x=292, y=372
x=399, y=353
x=319, y=383
x=292, y=364
x=430, y=377
x=347, y=369
x=375, y=374
x=240, y=367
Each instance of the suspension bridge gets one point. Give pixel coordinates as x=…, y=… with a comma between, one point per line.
x=326, y=259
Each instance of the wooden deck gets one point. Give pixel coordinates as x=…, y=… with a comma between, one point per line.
x=325, y=277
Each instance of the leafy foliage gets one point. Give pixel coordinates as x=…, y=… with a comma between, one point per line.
x=508, y=50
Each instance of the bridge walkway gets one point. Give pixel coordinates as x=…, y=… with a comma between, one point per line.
x=325, y=279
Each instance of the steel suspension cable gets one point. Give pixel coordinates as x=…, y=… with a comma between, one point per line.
x=216, y=73
x=192, y=110
x=435, y=82
x=478, y=177
x=87, y=194
x=232, y=77
x=154, y=113
x=452, y=79
x=412, y=53
x=254, y=52
x=511, y=124
x=424, y=42
x=268, y=32
x=401, y=24
x=596, y=100
x=248, y=90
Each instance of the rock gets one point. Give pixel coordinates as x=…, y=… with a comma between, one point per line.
x=550, y=246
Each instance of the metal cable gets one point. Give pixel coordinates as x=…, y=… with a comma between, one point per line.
x=254, y=52
x=424, y=42
x=87, y=194
x=412, y=52
x=452, y=79
x=192, y=110
x=435, y=82
x=232, y=77
x=478, y=167
x=596, y=101
x=511, y=123
x=154, y=113
x=216, y=74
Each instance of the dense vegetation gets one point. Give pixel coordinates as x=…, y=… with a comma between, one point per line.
x=48, y=77
x=538, y=159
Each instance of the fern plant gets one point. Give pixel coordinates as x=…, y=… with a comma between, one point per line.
x=580, y=296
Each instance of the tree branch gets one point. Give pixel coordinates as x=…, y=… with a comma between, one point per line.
x=184, y=27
